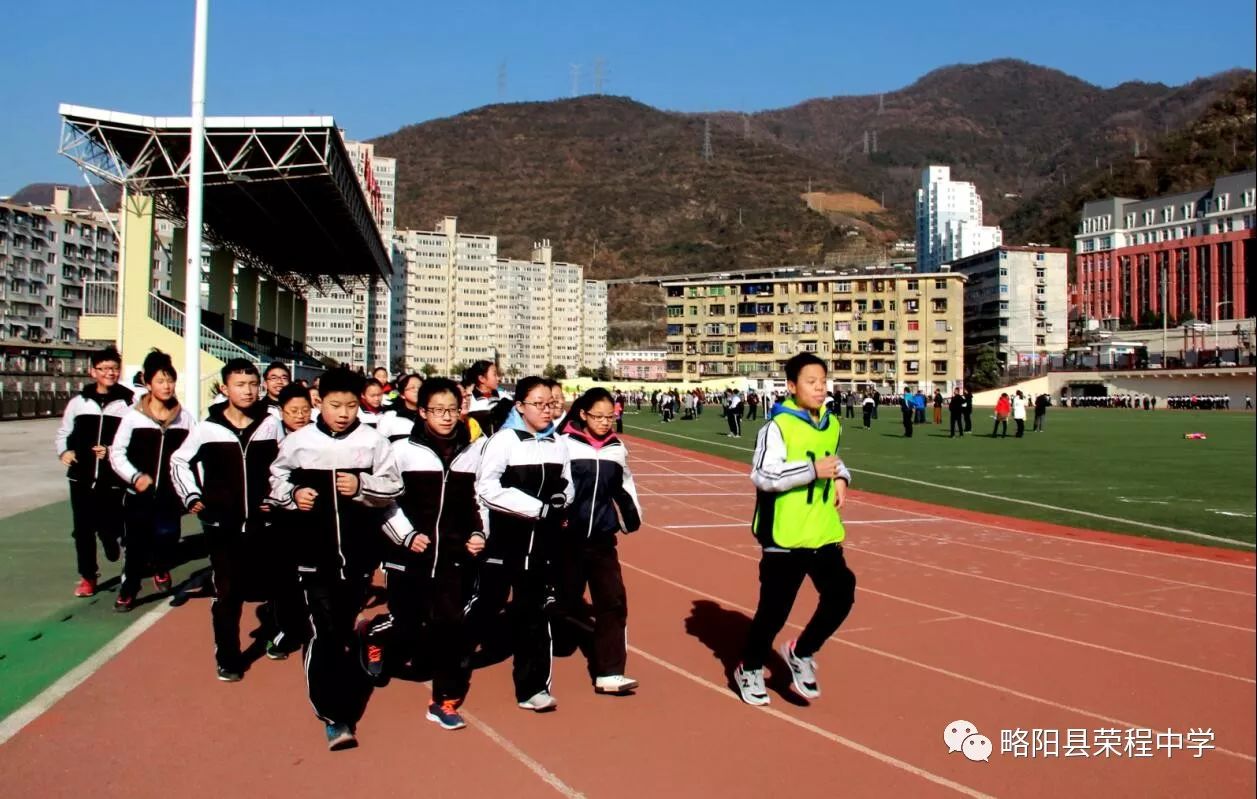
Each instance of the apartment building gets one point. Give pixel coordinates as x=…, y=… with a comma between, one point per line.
x=1017, y=299
x=354, y=325
x=885, y=328
x=949, y=220
x=461, y=302
x=51, y=258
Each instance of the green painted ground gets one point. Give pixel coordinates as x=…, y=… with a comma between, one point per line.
x=1133, y=466
x=44, y=630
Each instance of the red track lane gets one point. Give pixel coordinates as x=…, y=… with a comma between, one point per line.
x=1032, y=646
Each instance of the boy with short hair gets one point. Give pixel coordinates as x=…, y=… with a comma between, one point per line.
x=222, y=475
x=274, y=379
x=800, y=485
x=340, y=474
x=87, y=430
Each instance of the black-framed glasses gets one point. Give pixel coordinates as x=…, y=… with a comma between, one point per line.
x=536, y=404
x=598, y=417
x=443, y=412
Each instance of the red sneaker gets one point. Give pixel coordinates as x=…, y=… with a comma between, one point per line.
x=162, y=582
x=86, y=587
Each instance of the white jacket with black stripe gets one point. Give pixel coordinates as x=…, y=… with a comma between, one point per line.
x=519, y=472
x=339, y=535
x=144, y=445
x=91, y=419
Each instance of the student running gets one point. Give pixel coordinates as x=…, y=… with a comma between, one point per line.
x=146, y=439
x=486, y=404
x=403, y=414
x=436, y=531
x=222, y=475
x=605, y=504
x=336, y=473
x=525, y=482
x=83, y=440
x=800, y=485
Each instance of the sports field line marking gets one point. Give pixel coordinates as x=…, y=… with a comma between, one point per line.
x=1148, y=525
x=687, y=474
x=547, y=776
x=18, y=719
x=991, y=526
x=992, y=622
x=1028, y=587
x=881, y=757
x=1052, y=591
x=918, y=664
x=748, y=524
x=1171, y=582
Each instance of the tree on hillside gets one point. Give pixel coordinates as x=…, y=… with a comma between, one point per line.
x=986, y=371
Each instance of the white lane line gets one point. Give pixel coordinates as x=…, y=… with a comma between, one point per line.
x=547, y=776
x=1002, y=498
x=993, y=622
x=15, y=721
x=926, y=666
x=748, y=524
x=990, y=526
x=881, y=757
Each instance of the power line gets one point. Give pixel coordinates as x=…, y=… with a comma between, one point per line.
x=575, y=79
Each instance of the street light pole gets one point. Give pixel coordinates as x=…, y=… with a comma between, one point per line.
x=196, y=188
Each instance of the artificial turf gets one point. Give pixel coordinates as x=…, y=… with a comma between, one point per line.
x=1132, y=466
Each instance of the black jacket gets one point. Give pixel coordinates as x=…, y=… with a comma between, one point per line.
x=605, y=497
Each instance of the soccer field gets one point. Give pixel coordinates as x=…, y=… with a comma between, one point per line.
x=1106, y=469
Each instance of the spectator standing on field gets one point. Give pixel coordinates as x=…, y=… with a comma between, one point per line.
x=1040, y=411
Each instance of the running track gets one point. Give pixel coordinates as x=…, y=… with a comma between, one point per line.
x=1005, y=623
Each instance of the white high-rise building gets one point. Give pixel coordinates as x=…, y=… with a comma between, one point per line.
x=949, y=221
x=461, y=303
x=354, y=327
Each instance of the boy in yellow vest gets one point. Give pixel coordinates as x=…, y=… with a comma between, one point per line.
x=800, y=485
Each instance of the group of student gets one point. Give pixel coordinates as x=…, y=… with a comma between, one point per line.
x=463, y=499
x=303, y=493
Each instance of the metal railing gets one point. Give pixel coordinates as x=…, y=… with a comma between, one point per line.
x=100, y=298
x=216, y=344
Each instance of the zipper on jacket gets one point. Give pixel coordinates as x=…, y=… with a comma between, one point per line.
x=440, y=508
x=340, y=550
x=100, y=432
x=532, y=534
x=244, y=471
x=593, y=499
x=161, y=450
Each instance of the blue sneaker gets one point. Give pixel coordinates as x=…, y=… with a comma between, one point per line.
x=446, y=714
x=340, y=736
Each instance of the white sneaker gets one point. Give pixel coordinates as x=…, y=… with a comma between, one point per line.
x=751, y=685
x=614, y=684
x=802, y=672
x=540, y=702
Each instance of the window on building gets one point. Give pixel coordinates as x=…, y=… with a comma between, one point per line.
x=914, y=324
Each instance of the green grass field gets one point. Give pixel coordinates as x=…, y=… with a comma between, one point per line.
x=1133, y=467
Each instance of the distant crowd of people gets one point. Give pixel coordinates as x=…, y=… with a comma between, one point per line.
x=1204, y=402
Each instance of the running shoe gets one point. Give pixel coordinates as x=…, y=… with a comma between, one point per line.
x=446, y=714
x=274, y=651
x=540, y=702
x=614, y=684
x=162, y=582
x=340, y=736
x=229, y=675
x=124, y=604
x=751, y=685
x=86, y=587
x=802, y=672
x=370, y=654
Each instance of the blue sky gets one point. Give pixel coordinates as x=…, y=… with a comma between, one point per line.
x=377, y=66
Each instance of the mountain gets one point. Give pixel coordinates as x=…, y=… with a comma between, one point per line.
x=80, y=196
x=1010, y=127
x=1222, y=140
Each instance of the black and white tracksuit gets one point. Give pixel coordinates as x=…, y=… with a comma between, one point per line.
x=519, y=472
x=336, y=545
x=91, y=419
x=227, y=469
x=605, y=504
x=426, y=589
x=396, y=424
x=484, y=409
x=144, y=446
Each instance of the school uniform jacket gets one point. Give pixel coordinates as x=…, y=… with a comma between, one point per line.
x=605, y=496
x=144, y=445
x=90, y=420
x=519, y=472
x=395, y=424
x=439, y=500
x=228, y=469
x=339, y=534
x=370, y=418
x=484, y=409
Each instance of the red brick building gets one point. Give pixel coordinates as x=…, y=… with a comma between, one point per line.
x=1200, y=244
